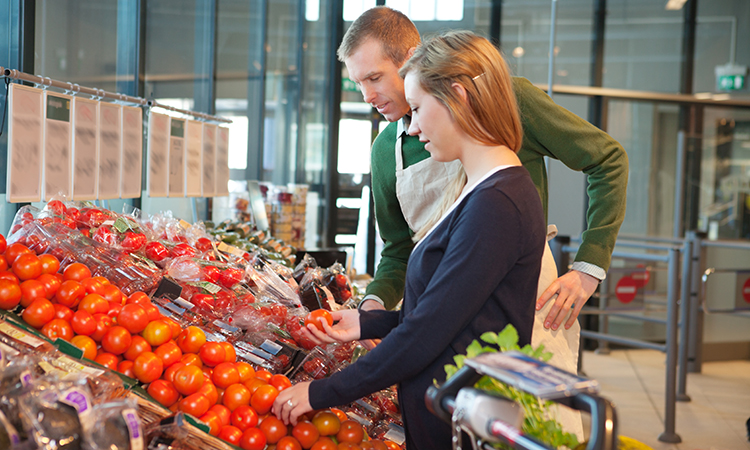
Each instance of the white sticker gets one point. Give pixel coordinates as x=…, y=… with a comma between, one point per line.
x=134, y=428
x=19, y=335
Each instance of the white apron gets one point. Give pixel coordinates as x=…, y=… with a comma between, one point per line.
x=419, y=188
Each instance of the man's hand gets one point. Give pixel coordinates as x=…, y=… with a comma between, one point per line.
x=573, y=291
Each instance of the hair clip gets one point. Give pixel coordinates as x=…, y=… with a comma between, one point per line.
x=481, y=74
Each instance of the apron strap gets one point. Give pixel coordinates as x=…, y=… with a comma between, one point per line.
x=399, y=154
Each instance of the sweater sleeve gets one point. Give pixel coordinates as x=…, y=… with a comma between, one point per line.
x=388, y=284
x=484, y=245
x=553, y=131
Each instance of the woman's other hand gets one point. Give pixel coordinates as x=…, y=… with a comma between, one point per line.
x=292, y=402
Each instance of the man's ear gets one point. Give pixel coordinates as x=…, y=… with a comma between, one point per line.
x=460, y=90
x=410, y=53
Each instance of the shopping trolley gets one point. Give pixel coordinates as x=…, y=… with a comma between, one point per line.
x=488, y=418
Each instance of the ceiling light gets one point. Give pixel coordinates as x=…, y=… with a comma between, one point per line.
x=674, y=5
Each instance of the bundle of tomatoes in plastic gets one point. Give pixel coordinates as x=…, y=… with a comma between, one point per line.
x=325, y=288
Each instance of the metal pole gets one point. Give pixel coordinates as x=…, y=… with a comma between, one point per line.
x=695, y=338
x=551, y=73
x=684, y=319
x=669, y=434
x=679, y=187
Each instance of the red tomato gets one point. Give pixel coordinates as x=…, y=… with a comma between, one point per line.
x=50, y=264
x=350, y=431
x=157, y=333
x=125, y=367
x=212, y=353
x=112, y=293
x=188, y=379
x=169, y=353
x=264, y=375
x=64, y=313
x=182, y=249
x=191, y=339
x=152, y=311
x=203, y=244
x=3, y=244
x=163, y=392
x=10, y=276
x=212, y=420
x=147, y=367
x=280, y=382
x=10, y=294
x=231, y=276
x=306, y=434
x=230, y=434
x=133, y=317
x=235, y=396
x=76, y=271
x=71, y=293
x=92, y=303
x=315, y=316
x=326, y=422
x=176, y=327
x=288, y=443
x=51, y=284
x=13, y=251
x=245, y=370
x=38, y=313
x=83, y=323
x=27, y=266
x=273, y=428
x=230, y=354
x=58, y=328
x=223, y=412
x=138, y=345
x=225, y=374
x=244, y=417
x=132, y=242
x=108, y=360
x=324, y=443
x=86, y=344
x=138, y=297
x=192, y=359
x=253, y=439
x=211, y=274
x=194, y=404
x=263, y=398
x=156, y=251
x=211, y=392
x=116, y=340
x=114, y=310
x=92, y=285
x=103, y=324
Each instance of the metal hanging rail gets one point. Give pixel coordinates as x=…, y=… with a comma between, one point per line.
x=74, y=88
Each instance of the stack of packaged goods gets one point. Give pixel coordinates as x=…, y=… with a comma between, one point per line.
x=299, y=214
x=283, y=215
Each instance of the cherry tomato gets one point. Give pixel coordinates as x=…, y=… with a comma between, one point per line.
x=280, y=382
x=148, y=367
x=203, y=244
x=315, y=316
x=76, y=271
x=157, y=333
x=58, y=328
x=10, y=294
x=350, y=431
x=169, y=353
x=263, y=398
x=212, y=353
x=230, y=434
x=105, y=235
x=306, y=434
x=86, y=344
x=188, y=379
x=27, y=266
x=133, y=317
x=326, y=422
x=236, y=395
x=273, y=428
x=194, y=404
x=156, y=251
x=50, y=264
x=253, y=439
x=38, y=313
x=116, y=340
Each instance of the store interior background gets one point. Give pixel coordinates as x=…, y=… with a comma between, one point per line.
x=270, y=66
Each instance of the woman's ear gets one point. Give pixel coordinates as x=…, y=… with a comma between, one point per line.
x=460, y=90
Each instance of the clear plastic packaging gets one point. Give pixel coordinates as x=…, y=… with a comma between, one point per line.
x=117, y=427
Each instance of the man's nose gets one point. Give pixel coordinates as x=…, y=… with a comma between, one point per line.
x=368, y=94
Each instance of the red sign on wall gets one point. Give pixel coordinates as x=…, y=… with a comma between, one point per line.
x=626, y=289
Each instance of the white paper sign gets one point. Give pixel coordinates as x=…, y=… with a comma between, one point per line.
x=209, y=160
x=177, y=158
x=222, y=162
x=158, y=151
x=85, y=148
x=25, y=133
x=110, y=150
x=58, y=160
x=193, y=164
x=132, y=151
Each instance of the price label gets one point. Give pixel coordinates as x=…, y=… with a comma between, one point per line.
x=19, y=335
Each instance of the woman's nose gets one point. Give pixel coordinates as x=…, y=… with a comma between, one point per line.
x=413, y=128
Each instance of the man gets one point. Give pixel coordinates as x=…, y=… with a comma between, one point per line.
x=406, y=183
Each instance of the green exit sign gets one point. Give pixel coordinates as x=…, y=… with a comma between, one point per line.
x=730, y=82
x=347, y=85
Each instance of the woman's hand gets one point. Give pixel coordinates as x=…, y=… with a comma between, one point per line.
x=347, y=328
x=292, y=402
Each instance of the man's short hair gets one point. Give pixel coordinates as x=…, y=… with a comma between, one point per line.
x=392, y=28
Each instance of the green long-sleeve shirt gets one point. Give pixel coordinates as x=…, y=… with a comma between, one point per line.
x=549, y=130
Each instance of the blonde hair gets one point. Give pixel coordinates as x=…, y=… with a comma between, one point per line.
x=489, y=113
x=395, y=32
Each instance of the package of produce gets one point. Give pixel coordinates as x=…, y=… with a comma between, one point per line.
x=117, y=426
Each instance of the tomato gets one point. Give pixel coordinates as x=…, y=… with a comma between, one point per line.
x=27, y=266
x=169, y=353
x=71, y=293
x=192, y=359
x=176, y=327
x=50, y=264
x=212, y=353
x=157, y=333
x=76, y=271
x=225, y=374
x=211, y=274
x=212, y=420
x=235, y=396
x=194, y=404
x=63, y=312
x=204, y=302
x=373, y=444
x=348, y=446
x=170, y=371
x=324, y=443
x=264, y=375
x=230, y=434
x=152, y=311
x=245, y=370
x=253, y=439
x=263, y=398
x=288, y=443
x=231, y=276
x=182, y=249
x=223, y=412
x=112, y=293
x=280, y=382
x=326, y=422
x=191, y=339
x=114, y=310
x=10, y=276
x=133, y=317
x=306, y=434
x=244, y=417
x=132, y=242
x=138, y=297
x=315, y=316
x=92, y=303
x=38, y=313
x=83, y=323
x=125, y=367
x=3, y=243
x=350, y=431
x=105, y=235
x=58, y=328
x=253, y=384
x=116, y=340
x=92, y=285
x=86, y=344
x=13, y=251
x=103, y=324
x=156, y=251
x=188, y=379
x=147, y=367
x=230, y=354
x=3, y=264
x=211, y=392
x=56, y=207
x=273, y=428
x=10, y=294
x=108, y=360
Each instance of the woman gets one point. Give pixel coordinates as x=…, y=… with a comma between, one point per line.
x=475, y=268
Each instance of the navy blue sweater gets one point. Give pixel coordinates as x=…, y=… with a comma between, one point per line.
x=476, y=272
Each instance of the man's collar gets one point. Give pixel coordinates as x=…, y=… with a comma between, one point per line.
x=403, y=125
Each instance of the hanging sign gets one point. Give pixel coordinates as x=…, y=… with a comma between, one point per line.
x=132, y=152
x=177, y=158
x=25, y=137
x=57, y=155
x=110, y=150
